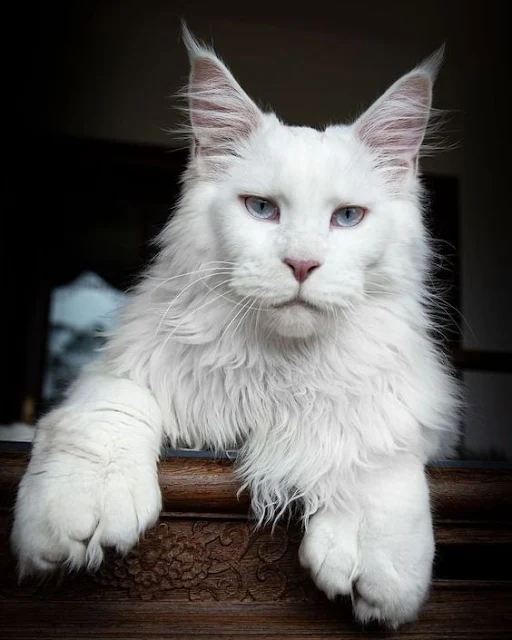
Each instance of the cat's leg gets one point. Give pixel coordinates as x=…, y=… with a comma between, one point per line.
x=92, y=478
x=396, y=543
x=381, y=552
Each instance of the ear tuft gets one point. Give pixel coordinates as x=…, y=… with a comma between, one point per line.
x=433, y=63
x=194, y=47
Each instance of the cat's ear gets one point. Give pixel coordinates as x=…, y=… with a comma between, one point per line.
x=222, y=116
x=394, y=127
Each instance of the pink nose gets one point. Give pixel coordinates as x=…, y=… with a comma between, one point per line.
x=301, y=268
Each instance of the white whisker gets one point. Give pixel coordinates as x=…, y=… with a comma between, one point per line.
x=184, y=290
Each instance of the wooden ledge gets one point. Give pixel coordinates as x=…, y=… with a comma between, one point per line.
x=202, y=486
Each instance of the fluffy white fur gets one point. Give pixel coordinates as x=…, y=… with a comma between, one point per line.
x=335, y=406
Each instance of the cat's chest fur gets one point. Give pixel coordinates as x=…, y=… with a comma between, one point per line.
x=237, y=393
x=296, y=415
x=333, y=389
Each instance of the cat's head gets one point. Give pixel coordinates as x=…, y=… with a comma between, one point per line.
x=310, y=223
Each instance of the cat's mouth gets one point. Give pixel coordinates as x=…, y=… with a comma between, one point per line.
x=296, y=303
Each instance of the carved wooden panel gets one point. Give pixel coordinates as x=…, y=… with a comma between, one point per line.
x=210, y=560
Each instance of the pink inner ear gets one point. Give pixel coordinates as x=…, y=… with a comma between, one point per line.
x=218, y=106
x=396, y=124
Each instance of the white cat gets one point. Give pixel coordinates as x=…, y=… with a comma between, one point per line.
x=285, y=315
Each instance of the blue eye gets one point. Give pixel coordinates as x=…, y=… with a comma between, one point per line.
x=347, y=216
x=261, y=208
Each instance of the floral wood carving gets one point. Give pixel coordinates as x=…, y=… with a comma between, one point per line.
x=209, y=560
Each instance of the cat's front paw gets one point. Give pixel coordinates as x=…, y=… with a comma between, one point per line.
x=382, y=557
x=389, y=594
x=72, y=503
x=394, y=576
x=329, y=551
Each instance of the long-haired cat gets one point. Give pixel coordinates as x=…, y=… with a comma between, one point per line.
x=286, y=316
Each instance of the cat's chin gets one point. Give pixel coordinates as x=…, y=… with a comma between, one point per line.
x=295, y=321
